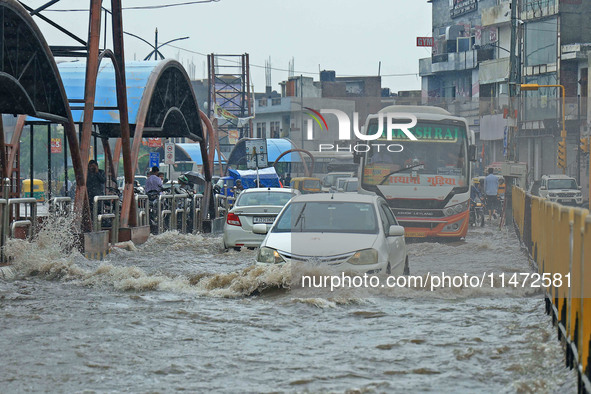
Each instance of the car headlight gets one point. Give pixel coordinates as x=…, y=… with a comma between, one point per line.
x=269, y=256
x=363, y=257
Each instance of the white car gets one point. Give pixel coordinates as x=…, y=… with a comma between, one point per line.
x=253, y=206
x=561, y=189
x=350, y=232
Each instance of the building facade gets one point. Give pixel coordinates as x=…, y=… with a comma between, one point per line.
x=469, y=74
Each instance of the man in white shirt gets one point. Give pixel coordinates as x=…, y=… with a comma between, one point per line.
x=491, y=188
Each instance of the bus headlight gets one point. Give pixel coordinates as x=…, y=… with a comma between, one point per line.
x=463, y=207
x=456, y=209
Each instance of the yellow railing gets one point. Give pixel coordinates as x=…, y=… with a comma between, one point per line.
x=558, y=239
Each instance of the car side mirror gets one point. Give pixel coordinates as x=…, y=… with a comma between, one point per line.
x=580, y=187
x=396, y=231
x=542, y=188
x=472, y=152
x=260, y=228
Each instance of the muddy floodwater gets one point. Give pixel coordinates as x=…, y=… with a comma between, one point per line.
x=180, y=314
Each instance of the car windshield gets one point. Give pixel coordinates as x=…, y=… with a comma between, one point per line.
x=351, y=186
x=312, y=184
x=263, y=198
x=562, y=184
x=328, y=217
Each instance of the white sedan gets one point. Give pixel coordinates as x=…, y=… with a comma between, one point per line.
x=346, y=231
x=253, y=206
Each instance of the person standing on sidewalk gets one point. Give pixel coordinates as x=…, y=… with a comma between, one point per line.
x=491, y=188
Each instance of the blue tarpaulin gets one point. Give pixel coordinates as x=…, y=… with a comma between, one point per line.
x=267, y=176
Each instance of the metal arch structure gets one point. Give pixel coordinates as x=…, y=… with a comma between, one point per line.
x=31, y=84
x=169, y=109
x=308, y=171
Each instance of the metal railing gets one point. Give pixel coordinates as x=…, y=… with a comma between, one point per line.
x=60, y=206
x=179, y=206
x=29, y=220
x=197, y=218
x=142, y=210
x=164, y=211
x=112, y=213
x=558, y=239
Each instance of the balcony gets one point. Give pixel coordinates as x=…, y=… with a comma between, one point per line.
x=497, y=15
x=425, y=66
x=455, y=61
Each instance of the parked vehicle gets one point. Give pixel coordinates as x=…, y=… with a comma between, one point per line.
x=349, y=232
x=348, y=185
x=253, y=206
x=38, y=189
x=330, y=180
x=562, y=189
x=306, y=185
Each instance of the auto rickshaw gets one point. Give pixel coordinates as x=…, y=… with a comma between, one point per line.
x=306, y=185
x=38, y=189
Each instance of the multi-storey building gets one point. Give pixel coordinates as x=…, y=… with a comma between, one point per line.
x=555, y=37
x=468, y=73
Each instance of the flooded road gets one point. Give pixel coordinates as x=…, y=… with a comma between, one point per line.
x=178, y=314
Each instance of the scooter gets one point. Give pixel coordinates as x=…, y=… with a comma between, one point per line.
x=476, y=212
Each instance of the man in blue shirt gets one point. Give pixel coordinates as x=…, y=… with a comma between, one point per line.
x=491, y=188
x=154, y=183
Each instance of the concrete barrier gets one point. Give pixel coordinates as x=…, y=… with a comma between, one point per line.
x=558, y=240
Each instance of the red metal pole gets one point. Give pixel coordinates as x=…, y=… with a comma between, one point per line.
x=128, y=217
x=92, y=63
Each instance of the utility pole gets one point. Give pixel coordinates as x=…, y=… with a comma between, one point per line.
x=514, y=79
x=514, y=67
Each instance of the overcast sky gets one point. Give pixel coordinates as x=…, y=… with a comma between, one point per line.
x=348, y=36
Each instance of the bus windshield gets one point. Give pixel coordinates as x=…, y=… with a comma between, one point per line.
x=437, y=158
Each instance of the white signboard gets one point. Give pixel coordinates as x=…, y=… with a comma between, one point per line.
x=169, y=153
x=256, y=154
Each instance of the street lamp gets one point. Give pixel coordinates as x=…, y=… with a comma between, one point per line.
x=156, y=46
x=562, y=143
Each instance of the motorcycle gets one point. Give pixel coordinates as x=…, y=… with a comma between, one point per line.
x=476, y=212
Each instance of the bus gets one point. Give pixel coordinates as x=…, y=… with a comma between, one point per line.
x=426, y=181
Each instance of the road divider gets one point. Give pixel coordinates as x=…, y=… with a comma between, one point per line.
x=558, y=240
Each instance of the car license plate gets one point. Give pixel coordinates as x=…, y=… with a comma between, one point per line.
x=417, y=234
x=263, y=219
x=567, y=201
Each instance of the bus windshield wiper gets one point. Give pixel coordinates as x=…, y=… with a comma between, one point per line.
x=400, y=170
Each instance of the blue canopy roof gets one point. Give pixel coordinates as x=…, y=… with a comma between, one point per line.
x=194, y=152
x=275, y=147
x=73, y=76
x=172, y=113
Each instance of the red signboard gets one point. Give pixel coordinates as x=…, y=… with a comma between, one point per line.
x=424, y=41
x=154, y=142
x=56, y=145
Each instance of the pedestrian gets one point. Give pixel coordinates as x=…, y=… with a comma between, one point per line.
x=238, y=187
x=154, y=183
x=161, y=176
x=95, y=182
x=491, y=187
x=287, y=179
